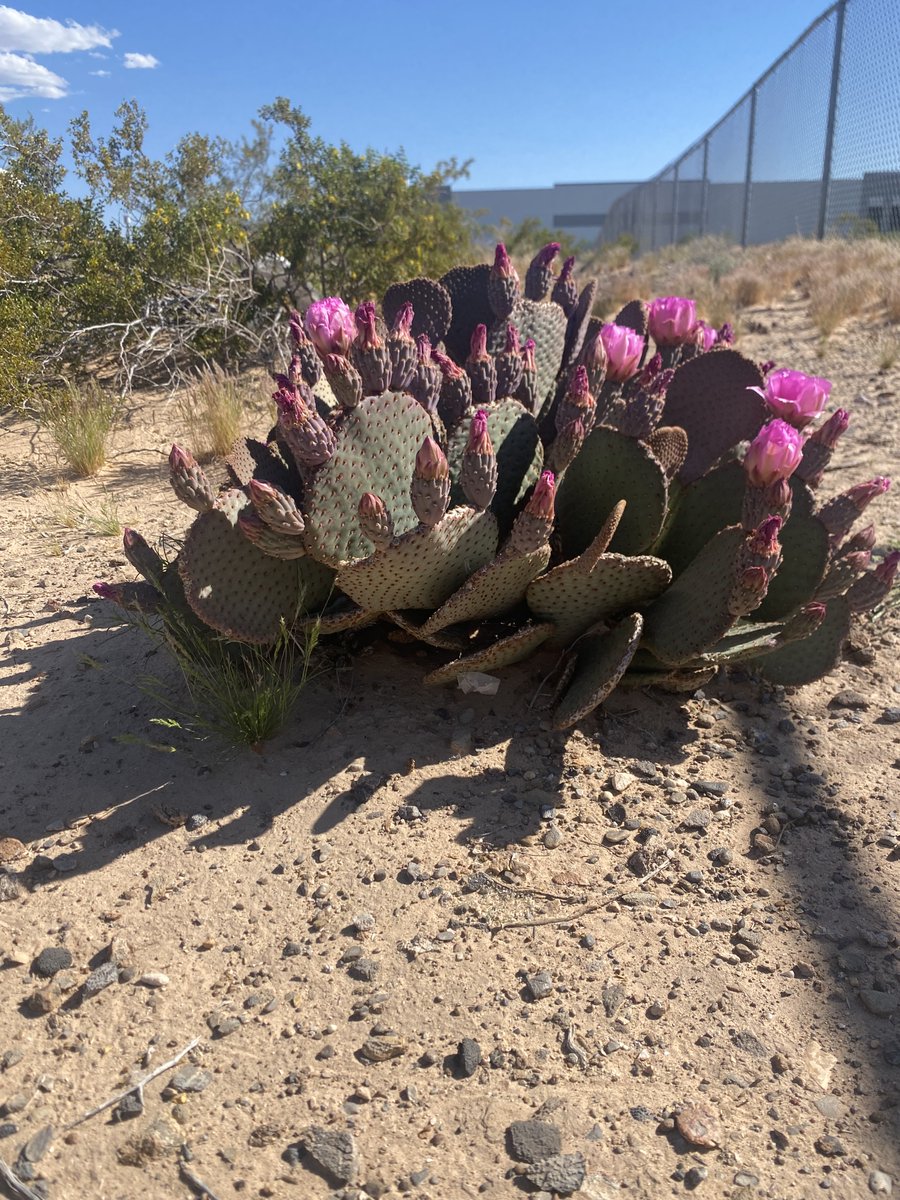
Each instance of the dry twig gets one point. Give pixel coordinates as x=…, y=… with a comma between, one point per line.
x=134, y=1087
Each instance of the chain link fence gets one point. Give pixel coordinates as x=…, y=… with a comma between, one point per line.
x=812, y=149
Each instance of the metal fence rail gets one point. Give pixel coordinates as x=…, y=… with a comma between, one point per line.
x=813, y=148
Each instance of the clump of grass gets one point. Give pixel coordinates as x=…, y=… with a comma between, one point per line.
x=213, y=409
x=238, y=692
x=888, y=350
x=81, y=420
x=100, y=516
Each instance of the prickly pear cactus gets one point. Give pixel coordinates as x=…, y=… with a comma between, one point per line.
x=679, y=531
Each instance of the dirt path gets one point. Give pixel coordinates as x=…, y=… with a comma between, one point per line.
x=328, y=919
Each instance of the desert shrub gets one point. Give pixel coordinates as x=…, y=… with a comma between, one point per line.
x=213, y=408
x=80, y=420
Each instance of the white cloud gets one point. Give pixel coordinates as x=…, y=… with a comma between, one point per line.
x=100, y=74
x=140, y=62
x=42, y=35
x=22, y=76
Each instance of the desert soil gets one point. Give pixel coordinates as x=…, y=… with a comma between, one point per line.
x=330, y=920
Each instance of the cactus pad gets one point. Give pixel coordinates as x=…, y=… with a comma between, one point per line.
x=811, y=657
x=424, y=566
x=700, y=511
x=686, y=680
x=249, y=459
x=237, y=589
x=491, y=591
x=609, y=468
x=339, y=619
x=692, y=616
x=468, y=290
x=602, y=660
x=804, y=544
x=502, y=653
x=578, y=322
x=710, y=398
x=514, y=436
x=432, y=307
x=410, y=622
x=574, y=596
x=544, y=321
x=376, y=451
x=635, y=315
x=669, y=444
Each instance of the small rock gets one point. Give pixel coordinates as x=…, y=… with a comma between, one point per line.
x=468, y=1057
x=849, y=699
x=830, y=1107
x=292, y=950
x=99, y=979
x=7, y=1129
x=363, y=969
x=409, y=812
x=190, y=1079
x=880, y=1183
x=129, y=1107
x=333, y=1151
x=381, y=1047
x=819, y=1064
x=51, y=960
x=880, y=1004
x=694, y=1177
x=698, y=818
x=749, y=1042
x=531, y=1141
x=539, y=985
x=15, y=1104
x=561, y=1173
x=621, y=782
x=553, y=837
x=10, y=1058
x=746, y=1180
x=699, y=1125
x=45, y=999
x=612, y=997
x=363, y=922
x=10, y=849
x=37, y=1145
x=196, y=821
x=153, y=979
x=830, y=1146
x=159, y=1140
x=120, y=952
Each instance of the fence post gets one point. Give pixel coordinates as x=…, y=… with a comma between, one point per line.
x=675, y=204
x=704, y=189
x=748, y=178
x=832, y=117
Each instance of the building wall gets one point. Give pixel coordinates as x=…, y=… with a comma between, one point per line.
x=578, y=209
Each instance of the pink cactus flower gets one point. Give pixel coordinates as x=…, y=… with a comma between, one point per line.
x=886, y=571
x=431, y=462
x=331, y=326
x=624, y=349
x=795, y=397
x=107, y=591
x=704, y=336
x=672, y=320
x=774, y=454
x=543, y=497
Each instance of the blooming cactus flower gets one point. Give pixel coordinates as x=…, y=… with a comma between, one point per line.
x=624, y=349
x=331, y=326
x=704, y=336
x=774, y=454
x=672, y=320
x=795, y=397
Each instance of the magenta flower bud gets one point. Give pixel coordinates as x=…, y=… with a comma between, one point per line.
x=828, y=434
x=478, y=344
x=886, y=571
x=579, y=388
x=371, y=506
x=331, y=326
x=672, y=320
x=543, y=497
x=512, y=345
x=431, y=463
x=726, y=335
x=857, y=560
x=804, y=622
x=704, y=336
x=754, y=579
x=748, y=591
x=863, y=540
x=403, y=320
x=567, y=268
x=286, y=400
x=375, y=520
x=862, y=494
x=795, y=397
x=764, y=540
x=503, y=264
x=107, y=591
x=423, y=348
x=295, y=323
x=367, y=333
x=624, y=349
x=546, y=254
x=774, y=454
x=539, y=276
x=528, y=355
x=181, y=460
x=479, y=438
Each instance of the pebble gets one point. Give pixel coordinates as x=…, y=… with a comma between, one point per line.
x=830, y=1146
x=10, y=849
x=699, y=1125
x=539, y=985
x=890, y=716
x=468, y=1057
x=830, y=1107
x=128, y=1107
x=612, y=998
x=561, y=1173
x=333, y=1151
x=880, y=1004
x=37, y=1145
x=381, y=1047
x=746, y=1179
x=697, y=818
x=190, y=1079
x=695, y=1176
x=363, y=922
x=7, y=1129
x=101, y=978
x=51, y=960
x=196, y=821
x=880, y=1183
x=363, y=969
x=153, y=979
x=552, y=837
x=531, y=1141
x=15, y=1104
x=849, y=699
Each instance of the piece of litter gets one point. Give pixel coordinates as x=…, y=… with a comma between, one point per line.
x=479, y=683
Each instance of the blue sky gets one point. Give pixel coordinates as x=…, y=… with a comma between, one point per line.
x=534, y=93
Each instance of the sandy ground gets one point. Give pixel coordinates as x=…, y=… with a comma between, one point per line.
x=332, y=921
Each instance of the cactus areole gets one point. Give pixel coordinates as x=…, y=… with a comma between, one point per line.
x=496, y=473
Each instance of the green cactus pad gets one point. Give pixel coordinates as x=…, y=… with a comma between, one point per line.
x=376, y=452
x=520, y=457
x=502, y=653
x=411, y=622
x=710, y=398
x=635, y=315
x=602, y=660
x=249, y=459
x=811, y=657
x=747, y=639
x=692, y=616
x=467, y=287
x=804, y=543
x=578, y=322
x=432, y=306
x=424, y=566
x=669, y=446
x=609, y=468
x=341, y=618
x=574, y=597
x=544, y=321
x=700, y=511
x=237, y=589
x=491, y=591
x=688, y=680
